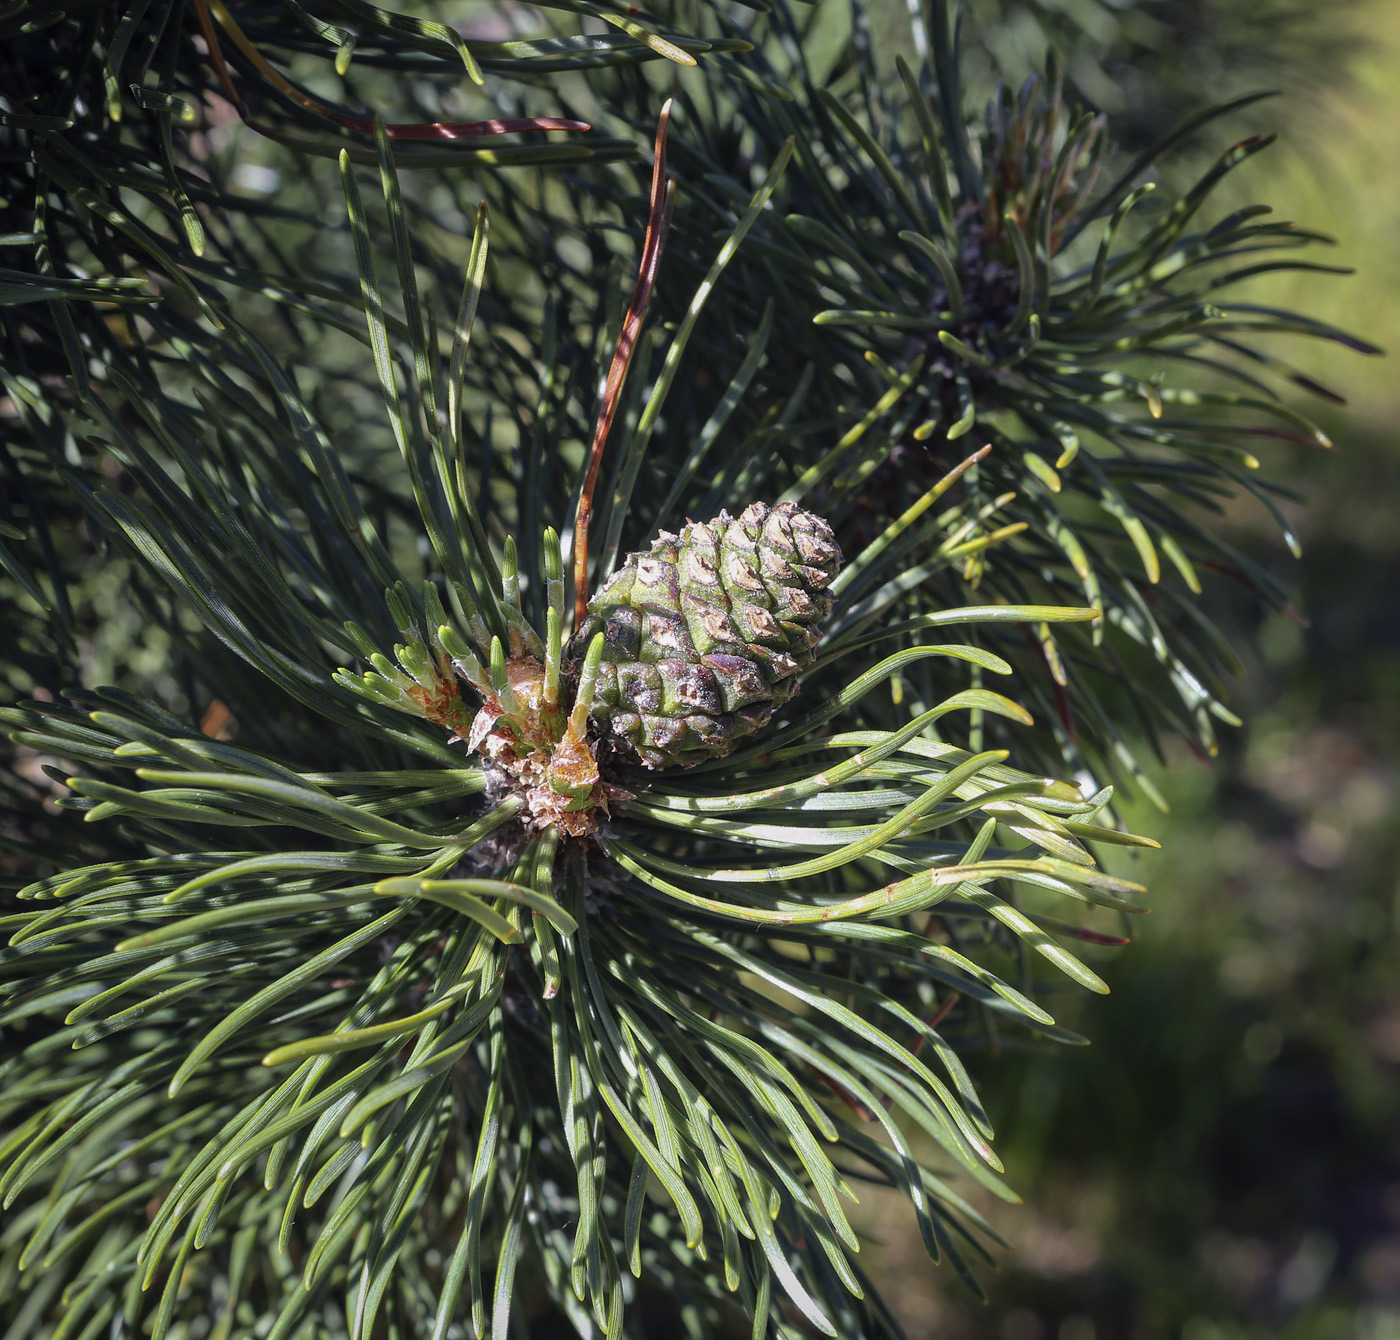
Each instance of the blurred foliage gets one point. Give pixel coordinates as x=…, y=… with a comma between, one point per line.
x=1153, y=62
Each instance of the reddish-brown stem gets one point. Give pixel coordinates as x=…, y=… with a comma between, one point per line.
x=662, y=196
x=1250, y=585
x=361, y=125
x=944, y=1010
x=216, y=57
x=1097, y=937
x=843, y=1093
x=936, y=1018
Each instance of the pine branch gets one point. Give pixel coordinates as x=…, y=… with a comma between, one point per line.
x=1008, y=279
x=403, y=957
x=439, y=975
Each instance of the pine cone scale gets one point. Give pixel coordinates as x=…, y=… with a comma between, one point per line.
x=705, y=635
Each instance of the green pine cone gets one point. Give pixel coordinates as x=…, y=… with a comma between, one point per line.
x=706, y=634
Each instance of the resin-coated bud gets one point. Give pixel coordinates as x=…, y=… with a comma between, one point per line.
x=705, y=635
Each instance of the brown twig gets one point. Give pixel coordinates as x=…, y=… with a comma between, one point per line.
x=208, y=10
x=944, y=1009
x=1096, y=937
x=1236, y=575
x=662, y=196
x=216, y=57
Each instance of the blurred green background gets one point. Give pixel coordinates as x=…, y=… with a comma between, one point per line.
x=1223, y=1162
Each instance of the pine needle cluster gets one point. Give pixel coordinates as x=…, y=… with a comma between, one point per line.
x=466, y=919
x=934, y=281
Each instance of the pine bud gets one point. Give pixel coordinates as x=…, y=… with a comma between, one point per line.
x=705, y=635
